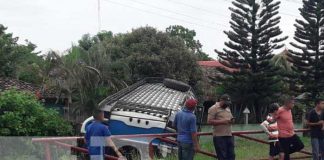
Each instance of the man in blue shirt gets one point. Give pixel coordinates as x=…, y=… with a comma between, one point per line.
x=185, y=124
x=98, y=136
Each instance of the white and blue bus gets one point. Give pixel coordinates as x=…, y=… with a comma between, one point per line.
x=146, y=107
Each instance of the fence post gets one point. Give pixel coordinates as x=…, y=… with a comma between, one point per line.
x=47, y=152
x=151, y=150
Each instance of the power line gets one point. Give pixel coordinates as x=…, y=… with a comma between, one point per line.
x=195, y=7
x=214, y=13
x=173, y=18
x=174, y=12
x=169, y=17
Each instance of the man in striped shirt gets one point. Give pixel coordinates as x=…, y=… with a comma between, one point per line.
x=271, y=129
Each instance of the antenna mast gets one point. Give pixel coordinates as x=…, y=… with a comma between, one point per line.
x=99, y=17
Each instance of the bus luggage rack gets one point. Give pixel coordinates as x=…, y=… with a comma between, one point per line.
x=140, y=108
x=152, y=96
x=155, y=95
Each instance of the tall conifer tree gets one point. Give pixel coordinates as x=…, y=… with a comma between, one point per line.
x=253, y=37
x=308, y=53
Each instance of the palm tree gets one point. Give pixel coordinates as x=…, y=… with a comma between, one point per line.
x=83, y=77
x=281, y=60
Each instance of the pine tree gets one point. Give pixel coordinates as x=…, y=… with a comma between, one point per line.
x=252, y=40
x=308, y=55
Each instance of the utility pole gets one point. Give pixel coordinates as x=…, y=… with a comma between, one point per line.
x=99, y=17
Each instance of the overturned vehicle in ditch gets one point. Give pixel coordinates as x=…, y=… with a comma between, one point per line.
x=146, y=107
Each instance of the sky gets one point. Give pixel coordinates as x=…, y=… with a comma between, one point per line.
x=57, y=24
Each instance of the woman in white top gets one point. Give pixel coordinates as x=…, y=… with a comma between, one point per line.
x=270, y=128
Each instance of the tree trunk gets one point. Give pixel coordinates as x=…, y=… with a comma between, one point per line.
x=257, y=112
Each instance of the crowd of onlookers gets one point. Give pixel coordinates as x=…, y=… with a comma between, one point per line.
x=278, y=125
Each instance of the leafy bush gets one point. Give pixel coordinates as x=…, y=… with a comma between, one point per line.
x=22, y=115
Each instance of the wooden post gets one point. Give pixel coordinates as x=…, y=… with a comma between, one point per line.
x=48, y=152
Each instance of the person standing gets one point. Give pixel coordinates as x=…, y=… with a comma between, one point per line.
x=289, y=141
x=221, y=118
x=314, y=120
x=185, y=124
x=98, y=136
x=269, y=126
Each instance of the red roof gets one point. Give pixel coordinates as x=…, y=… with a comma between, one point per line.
x=11, y=83
x=7, y=83
x=214, y=64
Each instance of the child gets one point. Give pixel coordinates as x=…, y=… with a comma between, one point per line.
x=270, y=128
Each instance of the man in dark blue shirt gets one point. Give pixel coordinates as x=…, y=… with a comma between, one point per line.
x=185, y=124
x=315, y=121
x=98, y=136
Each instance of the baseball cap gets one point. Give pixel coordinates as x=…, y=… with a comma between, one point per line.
x=191, y=103
x=225, y=97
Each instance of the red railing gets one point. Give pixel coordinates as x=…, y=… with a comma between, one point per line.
x=162, y=137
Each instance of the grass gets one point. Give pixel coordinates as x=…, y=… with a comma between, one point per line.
x=244, y=149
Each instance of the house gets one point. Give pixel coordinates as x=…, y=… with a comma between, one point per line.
x=211, y=75
x=47, y=97
x=210, y=81
x=10, y=83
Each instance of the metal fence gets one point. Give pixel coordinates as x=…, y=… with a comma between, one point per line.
x=166, y=138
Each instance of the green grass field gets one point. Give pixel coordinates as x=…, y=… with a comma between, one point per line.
x=244, y=149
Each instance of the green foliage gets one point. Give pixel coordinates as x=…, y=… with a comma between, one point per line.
x=16, y=59
x=308, y=58
x=252, y=40
x=29, y=68
x=22, y=115
x=8, y=52
x=188, y=36
x=281, y=61
x=104, y=63
x=154, y=53
x=220, y=90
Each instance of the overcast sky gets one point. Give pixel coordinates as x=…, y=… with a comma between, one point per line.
x=57, y=24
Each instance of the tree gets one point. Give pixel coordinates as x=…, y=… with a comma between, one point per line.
x=81, y=77
x=105, y=63
x=281, y=61
x=188, y=37
x=308, y=56
x=87, y=41
x=156, y=53
x=88, y=73
x=29, y=67
x=21, y=114
x=12, y=54
x=285, y=72
x=252, y=40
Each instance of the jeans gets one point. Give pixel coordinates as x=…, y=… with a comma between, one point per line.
x=318, y=148
x=224, y=146
x=185, y=151
x=96, y=157
x=291, y=145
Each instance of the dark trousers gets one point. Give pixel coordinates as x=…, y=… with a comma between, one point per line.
x=318, y=148
x=185, y=151
x=291, y=145
x=224, y=146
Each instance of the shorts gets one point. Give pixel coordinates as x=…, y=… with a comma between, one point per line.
x=275, y=149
